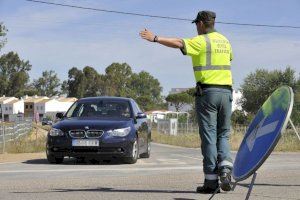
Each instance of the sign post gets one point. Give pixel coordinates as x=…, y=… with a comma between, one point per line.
x=262, y=135
x=3, y=132
x=36, y=119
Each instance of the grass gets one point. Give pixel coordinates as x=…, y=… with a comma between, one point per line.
x=288, y=141
x=30, y=143
x=185, y=140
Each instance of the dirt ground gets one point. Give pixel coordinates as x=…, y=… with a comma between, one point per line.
x=8, y=157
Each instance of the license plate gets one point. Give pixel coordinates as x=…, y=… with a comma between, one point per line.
x=85, y=143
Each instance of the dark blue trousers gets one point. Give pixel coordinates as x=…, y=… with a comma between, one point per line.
x=214, y=116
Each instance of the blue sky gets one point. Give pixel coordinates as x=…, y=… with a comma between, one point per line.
x=59, y=38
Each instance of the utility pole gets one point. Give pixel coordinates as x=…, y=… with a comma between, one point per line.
x=3, y=136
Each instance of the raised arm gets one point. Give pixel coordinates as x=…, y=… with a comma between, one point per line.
x=166, y=41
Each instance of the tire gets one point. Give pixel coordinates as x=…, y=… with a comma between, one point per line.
x=80, y=159
x=52, y=159
x=134, y=153
x=147, y=153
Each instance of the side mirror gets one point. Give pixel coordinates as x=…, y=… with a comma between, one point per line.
x=140, y=115
x=59, y=115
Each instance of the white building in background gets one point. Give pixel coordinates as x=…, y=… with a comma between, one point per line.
x=156, y=115
x=49, y=107
x=236, y=97
x=12, y=108
x=184, y=107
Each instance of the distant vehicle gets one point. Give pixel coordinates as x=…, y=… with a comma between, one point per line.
x=100, y=128
x=47, y=121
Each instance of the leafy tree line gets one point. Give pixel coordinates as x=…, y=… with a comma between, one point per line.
x=256, y=88
x=118, y=80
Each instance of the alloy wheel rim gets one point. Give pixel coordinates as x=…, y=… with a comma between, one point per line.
x=134, y=149
x=149, y=147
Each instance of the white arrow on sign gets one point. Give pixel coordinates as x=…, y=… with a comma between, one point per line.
x=260, y=131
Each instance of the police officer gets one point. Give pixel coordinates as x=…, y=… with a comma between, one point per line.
x=211, y=54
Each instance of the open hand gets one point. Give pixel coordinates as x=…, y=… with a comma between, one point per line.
x=147, y=35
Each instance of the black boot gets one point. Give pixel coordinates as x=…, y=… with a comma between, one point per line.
x=209, y=187
x=225, y=179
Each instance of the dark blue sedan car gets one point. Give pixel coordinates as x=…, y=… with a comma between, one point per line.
x=100, y=128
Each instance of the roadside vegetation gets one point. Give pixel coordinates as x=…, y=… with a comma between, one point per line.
x=288, y=141
x=34, y=142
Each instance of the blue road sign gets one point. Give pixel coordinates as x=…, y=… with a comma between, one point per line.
x=263, y=133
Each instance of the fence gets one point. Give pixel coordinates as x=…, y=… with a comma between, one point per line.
x=10, y=132
x=165, y=127
x=174, y=128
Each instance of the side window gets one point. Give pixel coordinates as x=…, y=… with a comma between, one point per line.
x=134, y=108
x=139, y=110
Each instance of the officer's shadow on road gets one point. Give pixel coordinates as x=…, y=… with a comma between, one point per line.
x=74, y=161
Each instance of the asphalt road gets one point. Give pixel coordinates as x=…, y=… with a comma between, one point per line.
x=170, y=173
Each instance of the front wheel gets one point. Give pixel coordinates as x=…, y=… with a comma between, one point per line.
x=147, y=153
x=53, y=159
x=134, y=153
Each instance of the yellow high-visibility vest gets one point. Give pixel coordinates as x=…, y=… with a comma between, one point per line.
x=211, y=55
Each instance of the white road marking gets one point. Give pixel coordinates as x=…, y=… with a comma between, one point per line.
x=108, y=169
x=172, y=146
x=188, y=157
x=8, y=163
x=170, y=161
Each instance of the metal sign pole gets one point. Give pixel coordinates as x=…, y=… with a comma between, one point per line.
x=251, y=186
x=3, y=137
x=296, y=132
x=216, y=191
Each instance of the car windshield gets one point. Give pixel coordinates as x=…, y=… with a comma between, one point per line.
x=102, y=108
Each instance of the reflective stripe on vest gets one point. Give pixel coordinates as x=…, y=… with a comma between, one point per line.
x=217, y=67
x=208, y=73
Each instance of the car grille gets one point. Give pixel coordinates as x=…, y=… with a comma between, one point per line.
x=77, y=133
x=94, y=133
x=87, y=134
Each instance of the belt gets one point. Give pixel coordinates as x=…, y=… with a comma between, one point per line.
x=228, y=87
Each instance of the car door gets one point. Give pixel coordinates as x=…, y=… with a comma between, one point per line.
x=141, y=127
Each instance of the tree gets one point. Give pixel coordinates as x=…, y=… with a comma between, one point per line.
x=145, y=89
x=179, y=100
x=13, y=74
x=3, y=32
x=258, y=86
x=296, y=108
x=241, y=118
x=94, y=86
x=48, y=84
x=76, y=83
x=64, y=88
x=83, y=83
x=117, y=79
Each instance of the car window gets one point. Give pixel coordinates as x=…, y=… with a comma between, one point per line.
x=104, y=108
x=135, y=108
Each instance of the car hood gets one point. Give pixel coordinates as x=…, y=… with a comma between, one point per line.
x=92, y=123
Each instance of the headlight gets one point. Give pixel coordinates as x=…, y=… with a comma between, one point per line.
x=122, y=132
x=56, y=132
